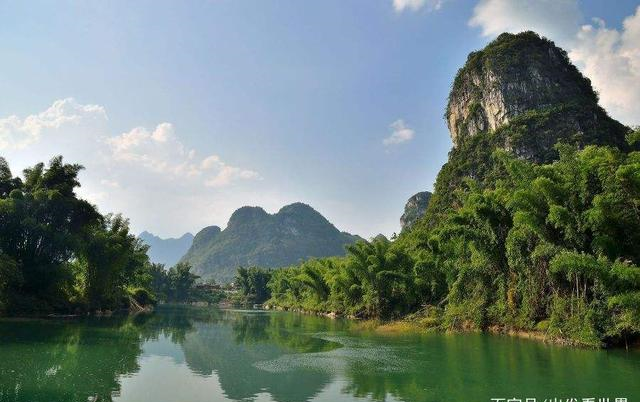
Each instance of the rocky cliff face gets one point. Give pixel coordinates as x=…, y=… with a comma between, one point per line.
x=415, y=208
x=521, y=94
x=518, y=74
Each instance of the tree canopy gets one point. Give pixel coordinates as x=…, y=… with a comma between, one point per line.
x=59, y=254
x=543, y=247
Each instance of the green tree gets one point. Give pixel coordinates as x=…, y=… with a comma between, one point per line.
x=57, y=253
x=181, y=283
x=113, y=259
x=252, y=284
x=41, y=222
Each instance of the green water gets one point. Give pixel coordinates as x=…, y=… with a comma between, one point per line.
x=182, y=354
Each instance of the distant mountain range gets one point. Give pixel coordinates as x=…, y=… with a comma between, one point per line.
x=255, y=237
x=166, y=251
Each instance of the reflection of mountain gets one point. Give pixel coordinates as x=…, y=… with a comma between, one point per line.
x=232, y=352
x=163, y=347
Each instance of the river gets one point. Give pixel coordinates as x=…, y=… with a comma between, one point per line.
x=185, y=354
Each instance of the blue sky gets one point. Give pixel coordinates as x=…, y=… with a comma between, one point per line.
x=184, y=111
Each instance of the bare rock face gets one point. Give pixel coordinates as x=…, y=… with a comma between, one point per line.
x=520, y=94
x=415, y=208
x=512, y=75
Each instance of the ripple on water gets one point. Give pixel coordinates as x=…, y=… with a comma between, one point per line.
x=354, y=352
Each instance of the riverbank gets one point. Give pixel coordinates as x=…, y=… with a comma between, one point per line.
x=239, y=354
x=133, y=309
x=430, y=320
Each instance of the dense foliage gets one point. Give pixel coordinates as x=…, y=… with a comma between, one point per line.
x=252, y=285
x=547, y=247
x=180, y=285
x=57, y=253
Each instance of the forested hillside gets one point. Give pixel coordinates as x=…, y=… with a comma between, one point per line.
x=534, y=224
x=254, y=237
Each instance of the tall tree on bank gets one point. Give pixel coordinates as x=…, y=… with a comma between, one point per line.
x=57, y=252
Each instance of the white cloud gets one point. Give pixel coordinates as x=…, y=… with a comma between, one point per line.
x=609, y=57
x=400, y=133
x=162, y=152
x=555, y=19
x=227, y=174
x=16, y=133
x=415, y=5
x=224, y=174
x=158, y=150
x=110, y=183
x=149, y=175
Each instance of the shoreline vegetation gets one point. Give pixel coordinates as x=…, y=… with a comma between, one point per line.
x=533, y=228
x=60, y=256
x=549, y=252
x=418, y=324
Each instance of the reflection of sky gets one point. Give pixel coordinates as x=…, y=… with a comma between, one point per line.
x=161, y=378
x=163, y=347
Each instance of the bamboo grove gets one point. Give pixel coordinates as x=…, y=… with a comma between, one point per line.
x=58, y=254
x=553, y=248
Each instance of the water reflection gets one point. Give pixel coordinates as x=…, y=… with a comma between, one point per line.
x=48, y=360
x=199, y=354
x=56, y=361
x=232, y=351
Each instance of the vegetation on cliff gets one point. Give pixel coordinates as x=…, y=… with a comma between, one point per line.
x=521, y=94
x=533, y=224
x=551, y=247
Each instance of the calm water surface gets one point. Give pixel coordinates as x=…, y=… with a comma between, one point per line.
x=183, y=354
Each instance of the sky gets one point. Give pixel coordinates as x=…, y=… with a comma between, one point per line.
x=183, y=111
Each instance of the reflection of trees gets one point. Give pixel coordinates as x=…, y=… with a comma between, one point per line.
x=481, y=367
x=75, y=360
x=232, y=348
x=175, y=322
x=56, y=361
x=250, y=328
x=274, y=353
x=293, y=331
